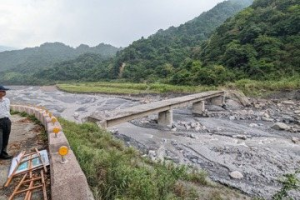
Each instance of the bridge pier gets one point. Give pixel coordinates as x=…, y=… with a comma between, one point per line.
x=218, y=101
x=198, y=107
x=165, y=117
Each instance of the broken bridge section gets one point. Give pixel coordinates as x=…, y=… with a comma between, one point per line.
x=163, y=108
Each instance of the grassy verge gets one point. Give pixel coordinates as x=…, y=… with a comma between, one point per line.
x=249, y=87
x=118, y=172
x=130, y=88
x=262, y=88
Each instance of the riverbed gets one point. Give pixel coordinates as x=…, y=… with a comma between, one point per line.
x=237, y=145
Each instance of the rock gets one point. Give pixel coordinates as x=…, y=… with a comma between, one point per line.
x=297, y=95
x=250, y=112
x=233, y=105
x=239, y=96
x=243, y=112
x=253, y=125
x=287, y=119
x=267, y=119
x=296, y=140
x=193, y=125
x=193, y=136
x=174, y=129
x=76, y=115
x=236, y=175
x=289, y=102
x=232, y=118
x=188, y=127
x=297, y=112
x=256, y=105
x=197, y=128
x=266, y=115
x=243, y=137
x=280, y=126
x=152, y=155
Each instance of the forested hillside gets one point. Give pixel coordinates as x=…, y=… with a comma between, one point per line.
x=161, y=54
x=87, y=67
x=155, y=58
x=261, y=42
x=33, y=59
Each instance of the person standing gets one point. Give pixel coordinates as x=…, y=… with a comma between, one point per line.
x=5, y=123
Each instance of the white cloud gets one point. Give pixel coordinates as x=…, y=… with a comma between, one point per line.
x=27, y=23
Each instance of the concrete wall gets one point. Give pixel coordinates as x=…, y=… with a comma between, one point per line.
x=68, y=181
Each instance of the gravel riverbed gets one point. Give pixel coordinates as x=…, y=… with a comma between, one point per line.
x=248, y=144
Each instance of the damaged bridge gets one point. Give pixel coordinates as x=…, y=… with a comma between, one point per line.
x=163, y=108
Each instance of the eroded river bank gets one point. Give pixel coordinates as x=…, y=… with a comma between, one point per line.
x=248, y=145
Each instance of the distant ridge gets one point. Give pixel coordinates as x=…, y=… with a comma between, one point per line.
x=31, y=59
x=5, y=48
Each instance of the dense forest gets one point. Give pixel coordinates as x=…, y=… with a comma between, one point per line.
x=261, y=42
x=160, y=55
x=19, y=66
x=227, y=43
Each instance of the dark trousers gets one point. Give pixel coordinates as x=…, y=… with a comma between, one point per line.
x=5, y=127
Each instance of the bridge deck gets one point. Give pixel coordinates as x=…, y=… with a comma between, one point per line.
x=142, y=110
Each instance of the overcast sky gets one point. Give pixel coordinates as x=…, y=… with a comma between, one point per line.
x=29, y=23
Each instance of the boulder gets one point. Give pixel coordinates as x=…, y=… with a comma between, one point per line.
x=280, y=126
x=236, y=175
x=233, y=105
x=253, y=125
x=297, y=112
x=296, y=140
x=267, y=119
x=289, y=102
x=239, y=96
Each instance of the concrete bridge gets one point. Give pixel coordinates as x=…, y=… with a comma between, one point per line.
x=163, y=108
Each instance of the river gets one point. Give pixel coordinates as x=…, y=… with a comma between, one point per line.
x=225, y=141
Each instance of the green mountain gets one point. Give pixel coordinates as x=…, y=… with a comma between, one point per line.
x=261, y=42
x=162, y=53
x=87, y=67
x=30, y=60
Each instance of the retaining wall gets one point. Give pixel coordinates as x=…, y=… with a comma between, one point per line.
x=68, y=181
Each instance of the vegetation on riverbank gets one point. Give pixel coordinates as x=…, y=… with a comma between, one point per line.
x=249, y=87
x=263, y=88
x=130, y=88
x=114, y=171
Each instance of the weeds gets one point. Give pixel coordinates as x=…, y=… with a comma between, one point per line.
x=289, y=182
x=114, y=171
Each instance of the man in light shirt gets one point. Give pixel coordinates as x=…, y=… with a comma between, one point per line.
x=5, y=123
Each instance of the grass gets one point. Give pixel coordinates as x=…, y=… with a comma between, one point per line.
x=114, y=171
x=249, y=87
x=289, y=182
x=130, y=88
x=262, y=88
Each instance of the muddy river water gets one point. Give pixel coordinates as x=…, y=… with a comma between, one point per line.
x=238, y=146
